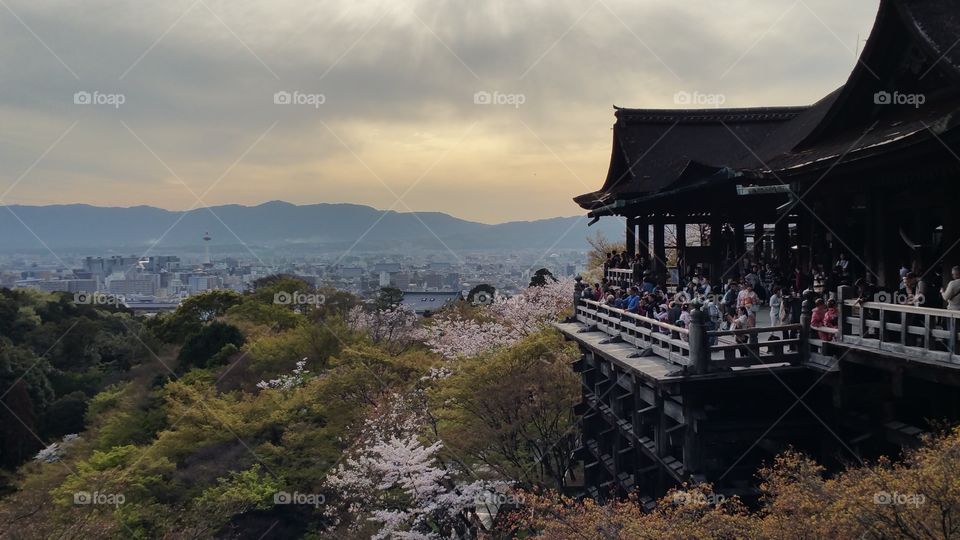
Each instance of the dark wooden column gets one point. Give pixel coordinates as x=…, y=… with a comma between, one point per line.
x=643, y=237
x=740, y=240
x=631, y=236
x=716, y=238
x=803, y=238
x=681, y=235
x=717, y=251
x=659, y=247
x=781, y=237
x=757, y=241
x=816, y=239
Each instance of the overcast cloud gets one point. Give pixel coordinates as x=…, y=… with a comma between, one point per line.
x=398, y=81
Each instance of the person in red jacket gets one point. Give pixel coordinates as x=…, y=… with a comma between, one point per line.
x=819, y=316
x=830, y=319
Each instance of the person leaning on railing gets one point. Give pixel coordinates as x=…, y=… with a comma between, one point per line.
x=740, y=322
x=821, y=316
x=830, y=319
x=951, y=293
x=633, y=300
x=712, y=312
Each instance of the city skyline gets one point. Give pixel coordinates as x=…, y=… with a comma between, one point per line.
x=492, y=113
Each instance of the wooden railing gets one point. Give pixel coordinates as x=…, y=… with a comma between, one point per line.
x=754, y=350
x=923, y=333
x=913, y=332
x=667, y=341
x=717, y=348
x=621, y=277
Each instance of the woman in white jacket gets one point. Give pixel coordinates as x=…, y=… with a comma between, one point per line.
x=776, y=298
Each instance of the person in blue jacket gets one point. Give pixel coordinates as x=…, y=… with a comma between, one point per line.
x=633, y=300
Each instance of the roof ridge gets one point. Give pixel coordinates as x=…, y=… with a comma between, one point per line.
x=744, y=114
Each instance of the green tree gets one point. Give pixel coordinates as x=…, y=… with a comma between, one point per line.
x=65, y=415
x=541, y=277
x=200, y=348
x=25, y=394
x=389, y=297
x=524, y=428
x=195, y=312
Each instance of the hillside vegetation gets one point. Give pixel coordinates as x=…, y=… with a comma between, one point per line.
x=240, y=416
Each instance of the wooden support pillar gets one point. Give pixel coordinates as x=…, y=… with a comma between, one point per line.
x=739, y=241
x=659, y=247
x=643, y=238
x=699, y=342
x=681, y=235
x=661, y=442
x=803, y=239
x=631, y=236
x=816, y=239
x=717, y=249
x=716, y=236
x=781, y=237
x=806, y=316
x=692, y=443
x=757, y=241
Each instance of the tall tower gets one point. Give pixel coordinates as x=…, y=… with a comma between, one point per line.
x=206, y=246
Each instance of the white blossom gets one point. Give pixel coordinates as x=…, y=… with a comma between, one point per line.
x=501, y=324
x=390, y=463
x=288, y=382
x=56, y=451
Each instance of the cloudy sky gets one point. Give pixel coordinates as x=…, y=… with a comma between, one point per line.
x=175, y=103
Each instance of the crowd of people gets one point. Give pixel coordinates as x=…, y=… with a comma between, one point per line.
x=758, y=286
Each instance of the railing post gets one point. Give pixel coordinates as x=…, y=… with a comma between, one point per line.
x=844, y=293
x=577, y=294
x=806, y=315
x=699, y=342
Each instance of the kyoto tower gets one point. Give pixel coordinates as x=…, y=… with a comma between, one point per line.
x=206, y=245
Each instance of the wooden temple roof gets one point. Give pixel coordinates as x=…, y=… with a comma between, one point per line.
x=913, y=49
x=653, y=149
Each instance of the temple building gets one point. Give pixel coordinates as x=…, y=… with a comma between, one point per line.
x=870, y=171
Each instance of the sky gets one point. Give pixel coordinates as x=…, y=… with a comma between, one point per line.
x=492, y=111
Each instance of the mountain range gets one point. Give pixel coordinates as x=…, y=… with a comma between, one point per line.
x=280, y=225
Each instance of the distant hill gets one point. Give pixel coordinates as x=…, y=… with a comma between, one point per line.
x=279, y=225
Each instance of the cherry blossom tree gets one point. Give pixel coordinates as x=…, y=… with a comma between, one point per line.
x=295, y=379
x=503, y=323
x=401, y=483
x=395, y=328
